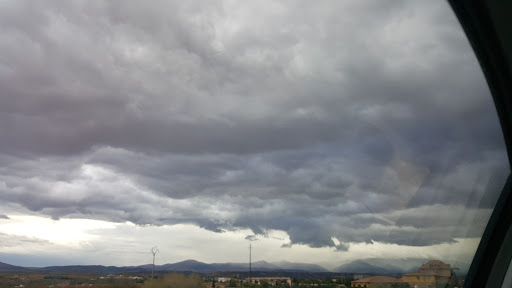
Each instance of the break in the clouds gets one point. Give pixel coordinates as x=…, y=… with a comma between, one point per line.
x=336, y=122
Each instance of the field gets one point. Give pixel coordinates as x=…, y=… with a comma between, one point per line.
x=36, y=279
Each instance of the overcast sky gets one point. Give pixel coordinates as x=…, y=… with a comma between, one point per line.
x=323, y=131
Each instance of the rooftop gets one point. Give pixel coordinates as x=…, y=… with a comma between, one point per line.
x=378, y=279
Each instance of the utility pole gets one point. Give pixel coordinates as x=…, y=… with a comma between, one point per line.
x=153, y=251
x=250, y=262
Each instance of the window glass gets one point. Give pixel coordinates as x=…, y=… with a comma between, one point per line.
x=353, y=136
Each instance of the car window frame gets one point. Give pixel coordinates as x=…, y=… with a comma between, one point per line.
x=486, y=25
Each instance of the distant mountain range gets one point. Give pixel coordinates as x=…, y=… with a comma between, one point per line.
x=381, y=266
x=187, y=265
x=196, y=266
x=393, y=266
x=366, y=266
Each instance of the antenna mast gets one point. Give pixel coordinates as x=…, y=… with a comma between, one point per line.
x=250, y=262
x=153, y=251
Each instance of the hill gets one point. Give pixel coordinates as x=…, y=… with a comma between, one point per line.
x=392, y=266
x=196, y=266
x=300, y=266
x=187, y=265
x=8, y=267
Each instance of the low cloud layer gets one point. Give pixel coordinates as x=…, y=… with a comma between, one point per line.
x=358, y=122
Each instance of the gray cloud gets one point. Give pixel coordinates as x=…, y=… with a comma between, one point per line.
x=251, y=237
x=364, y=121
x=16, y=240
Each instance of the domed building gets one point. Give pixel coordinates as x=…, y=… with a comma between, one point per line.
x=430, y=274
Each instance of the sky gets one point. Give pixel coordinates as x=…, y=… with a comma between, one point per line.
x=319, y=131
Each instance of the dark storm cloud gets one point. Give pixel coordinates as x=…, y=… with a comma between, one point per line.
x=357, y=122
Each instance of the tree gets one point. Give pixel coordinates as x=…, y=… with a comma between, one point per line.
x=233, y=283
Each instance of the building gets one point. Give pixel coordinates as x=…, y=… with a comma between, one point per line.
x=272, y=280
x=362, y=276
x=366, y=282
x=430, y=274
